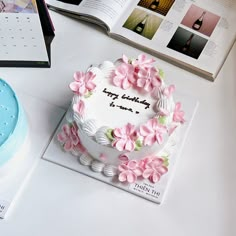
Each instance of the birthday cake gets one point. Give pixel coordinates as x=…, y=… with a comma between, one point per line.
x=121, y=117
x=13, y=128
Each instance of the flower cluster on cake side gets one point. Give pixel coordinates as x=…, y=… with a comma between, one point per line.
x=139, y=74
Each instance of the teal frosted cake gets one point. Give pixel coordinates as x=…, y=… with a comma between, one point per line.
x=13, y=126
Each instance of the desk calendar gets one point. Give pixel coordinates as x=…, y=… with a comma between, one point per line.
x=22, y=41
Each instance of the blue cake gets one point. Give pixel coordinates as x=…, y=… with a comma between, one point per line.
x=13, y=125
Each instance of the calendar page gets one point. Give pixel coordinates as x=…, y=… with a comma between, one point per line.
x=21, y=37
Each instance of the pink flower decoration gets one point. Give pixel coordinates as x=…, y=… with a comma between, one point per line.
x=129, y=171
x=69, y=138
x=125, y=59
x=148, y=79
x=150, y=167
x=143, y=62
x=152, y=132
x=153, y=168
x=103, y=157
x=124, y=76
x=178, y=114
x=79, y=107
x=83, y=83
x=123, y=158
x=168, y=91
x=124, y=138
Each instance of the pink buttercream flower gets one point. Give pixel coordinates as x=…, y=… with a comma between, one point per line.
x=124, y=138
x=79, y=107
x=103, y=157
x=178, y=114
x=143, y=62
x=168, y=91
x=124, y=76
x=148, y=79
x=154, y=168
x=163, y=112
x=129, y=171
x=83, y=83
x=125, y=59
x=123, y=158
x=69, y=138
x=152, y=132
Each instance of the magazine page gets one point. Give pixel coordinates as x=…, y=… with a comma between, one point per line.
x=196, y=33
x=105, y=11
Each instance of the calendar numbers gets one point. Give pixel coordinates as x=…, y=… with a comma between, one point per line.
x=21, y=35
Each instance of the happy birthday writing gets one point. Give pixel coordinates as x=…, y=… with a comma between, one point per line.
x=135, y=99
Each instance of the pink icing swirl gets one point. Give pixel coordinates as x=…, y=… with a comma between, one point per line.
x=69, y=138
x=150, y=167
x=124, y=138
x=124, y=76
x=178, y=113
x=137, y=73
x=152, y=132
x=83, y=83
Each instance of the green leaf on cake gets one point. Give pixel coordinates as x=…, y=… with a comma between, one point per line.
x=161, y=73
x=166, y=161
x=162, y=120
x=138, y=145
x=88, y=94
x=109, y=134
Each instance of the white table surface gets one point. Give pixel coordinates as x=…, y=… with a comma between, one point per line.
x=201, y=197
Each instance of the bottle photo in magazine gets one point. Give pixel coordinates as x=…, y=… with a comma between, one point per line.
x=201, y=20
x=187, y=43
x=160, y=6
x=143, y=23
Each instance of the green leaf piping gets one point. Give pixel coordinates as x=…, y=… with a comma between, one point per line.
x=109, y=134
x=162, y=120
x=161, y=73
x=166, y=161
x=88, y=94
x=138, y=145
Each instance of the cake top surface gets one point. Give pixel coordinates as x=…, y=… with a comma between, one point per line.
x=113, y=106
x=116, y=93
x=9, y=111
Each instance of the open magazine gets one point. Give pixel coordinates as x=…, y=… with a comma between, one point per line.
x=194, y=34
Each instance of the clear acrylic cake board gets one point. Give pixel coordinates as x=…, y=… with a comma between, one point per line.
x=43, y=119
x=143, y=188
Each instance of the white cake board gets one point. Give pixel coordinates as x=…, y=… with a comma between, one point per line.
x=43, y=119
x=143, y=188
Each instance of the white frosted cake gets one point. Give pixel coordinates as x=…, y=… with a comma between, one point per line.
x=13, y=129
x=121, y=117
